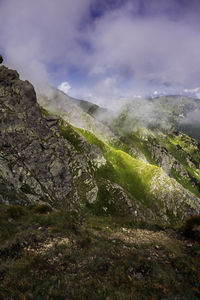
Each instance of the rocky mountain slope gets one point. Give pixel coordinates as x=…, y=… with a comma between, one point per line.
x=90, y=162
x=37, y=162
x=93, y=203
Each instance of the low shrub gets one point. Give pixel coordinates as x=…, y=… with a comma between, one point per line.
x=15, y=211
x=191, y=227
x=42, y=209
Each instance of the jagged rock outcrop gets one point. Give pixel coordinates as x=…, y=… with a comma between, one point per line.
x=36, y=161
x=1, y=59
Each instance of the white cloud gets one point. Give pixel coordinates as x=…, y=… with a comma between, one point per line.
x=64, y=87
x=145, y=48
x=36, y=34
x=193, y=92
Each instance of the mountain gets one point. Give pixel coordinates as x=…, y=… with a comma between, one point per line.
x=74, y=175
x=46, y=158
x=148, y=130
x=181, y=112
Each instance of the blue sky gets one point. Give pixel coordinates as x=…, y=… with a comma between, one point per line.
x=103, y=49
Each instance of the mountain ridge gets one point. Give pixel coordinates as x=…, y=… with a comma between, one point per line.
x=61, y=164
x=93, y=211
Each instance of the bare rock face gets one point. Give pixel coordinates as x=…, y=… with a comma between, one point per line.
x=37, y=163
x=1, y=59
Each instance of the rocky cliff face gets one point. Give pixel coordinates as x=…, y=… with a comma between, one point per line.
x=43, y=158
x=37, y=162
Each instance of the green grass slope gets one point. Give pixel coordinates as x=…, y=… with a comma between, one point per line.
x=134, y=175
x=148, y=183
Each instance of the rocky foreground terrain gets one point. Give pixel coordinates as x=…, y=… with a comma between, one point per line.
x=94, y=204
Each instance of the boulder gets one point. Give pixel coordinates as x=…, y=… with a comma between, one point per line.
x=1, y=59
